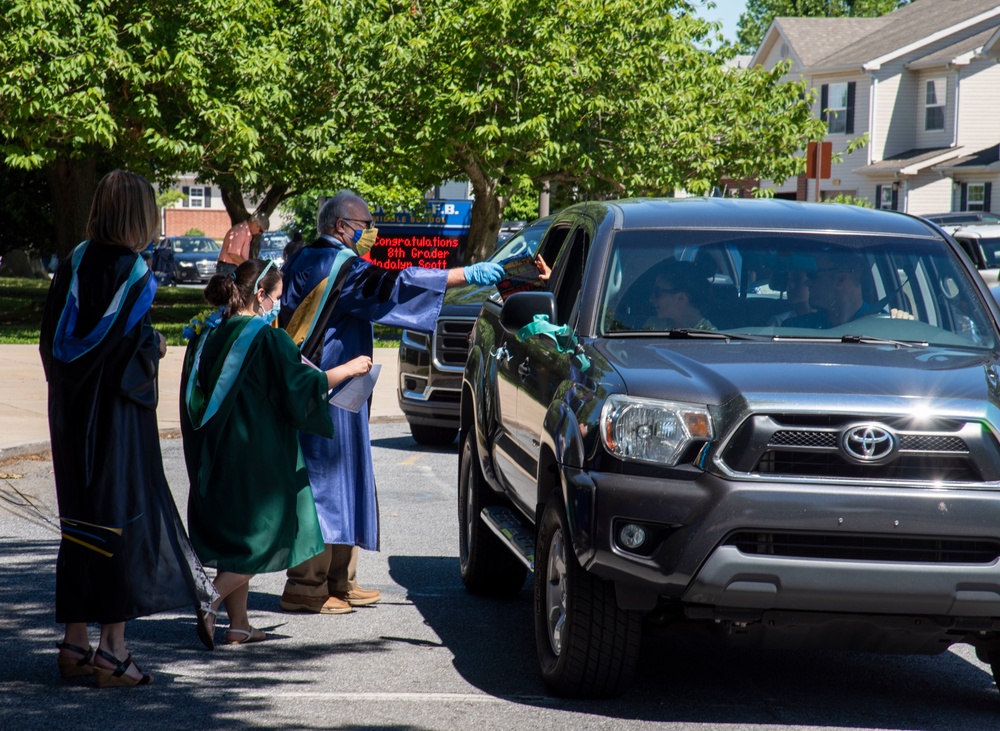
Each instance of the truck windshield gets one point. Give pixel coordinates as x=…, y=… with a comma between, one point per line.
x=793, y=285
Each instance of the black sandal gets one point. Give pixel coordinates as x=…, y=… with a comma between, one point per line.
x=108, y=678
x=205, y=633
x=70, y=668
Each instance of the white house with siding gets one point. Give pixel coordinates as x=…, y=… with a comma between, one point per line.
x=923, y=82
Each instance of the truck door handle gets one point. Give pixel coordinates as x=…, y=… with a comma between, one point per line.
x=524, y=370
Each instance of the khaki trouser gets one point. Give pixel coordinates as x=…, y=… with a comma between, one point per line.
x=333, y=571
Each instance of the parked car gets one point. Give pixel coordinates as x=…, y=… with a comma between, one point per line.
x=194, y=257
x=982, y=244
x=508, y=229
x=951, y=221
x=431, y=365
x=272, y=246
x=832, y=481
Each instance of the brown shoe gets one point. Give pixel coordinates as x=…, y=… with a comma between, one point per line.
x=333, y=605
x=314, y=604
x=358, y=597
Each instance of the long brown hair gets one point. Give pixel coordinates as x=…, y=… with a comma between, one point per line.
x=123, y=212
x=236, y=291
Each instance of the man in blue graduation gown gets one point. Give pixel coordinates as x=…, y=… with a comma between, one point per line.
x=331, y=298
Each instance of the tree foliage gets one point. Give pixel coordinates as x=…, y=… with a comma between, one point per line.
x=75, y=96
x=275, y=98
x=261, y=98
x=613, y=97
x=760, y=13
x=267, y=99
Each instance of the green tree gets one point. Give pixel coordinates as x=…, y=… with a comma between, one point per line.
x=76, y=97
x=610, y=97
x=759, y=14
x=258, y=98
x=278, y=100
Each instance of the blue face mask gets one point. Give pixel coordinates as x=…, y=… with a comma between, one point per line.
x=272, y=314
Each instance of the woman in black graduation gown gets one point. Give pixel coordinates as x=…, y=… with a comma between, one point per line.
x=124, y=553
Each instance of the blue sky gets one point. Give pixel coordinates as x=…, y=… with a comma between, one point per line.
x=728, y=11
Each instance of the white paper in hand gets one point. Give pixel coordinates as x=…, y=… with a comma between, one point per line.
x=357, y=391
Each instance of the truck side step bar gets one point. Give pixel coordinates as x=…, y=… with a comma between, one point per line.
x=512, y=530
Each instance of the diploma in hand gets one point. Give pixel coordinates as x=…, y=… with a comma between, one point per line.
x=357, y=391
x=520, y=275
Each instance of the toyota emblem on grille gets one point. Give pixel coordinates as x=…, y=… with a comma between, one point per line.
x=868, y=443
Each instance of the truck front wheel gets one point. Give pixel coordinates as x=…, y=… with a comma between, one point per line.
x=587, y=646
x=433, y=436
x=486, y=565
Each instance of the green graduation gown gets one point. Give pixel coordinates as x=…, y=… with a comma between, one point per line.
x=250, y=508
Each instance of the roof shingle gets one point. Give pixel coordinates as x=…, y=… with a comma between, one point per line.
x=816, y=38
x=904, y=26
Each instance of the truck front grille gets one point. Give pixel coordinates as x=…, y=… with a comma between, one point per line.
x=451, y=341
x=900, y=549
x=813, y=446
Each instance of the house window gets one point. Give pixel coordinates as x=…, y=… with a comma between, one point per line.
x=837, y=107
x=196, y=197
x=885, y=198
x=934, y=99
x=975, y=197
x=836, y=110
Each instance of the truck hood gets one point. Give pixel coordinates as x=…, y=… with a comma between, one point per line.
x=466, y=300
x=714, y=372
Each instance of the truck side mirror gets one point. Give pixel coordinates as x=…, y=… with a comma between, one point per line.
x=520, y=308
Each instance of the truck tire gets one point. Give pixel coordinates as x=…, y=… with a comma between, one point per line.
x=587, y=646
x=487, y=566
x=432, y=436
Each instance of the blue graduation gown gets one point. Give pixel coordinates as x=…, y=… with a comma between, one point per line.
x=340, y=469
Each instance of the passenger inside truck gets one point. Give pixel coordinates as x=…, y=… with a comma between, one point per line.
x=786, y=286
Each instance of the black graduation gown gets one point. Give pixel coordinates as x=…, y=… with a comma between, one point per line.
x=124, y=552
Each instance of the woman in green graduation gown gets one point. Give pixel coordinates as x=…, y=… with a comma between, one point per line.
x=245, y=393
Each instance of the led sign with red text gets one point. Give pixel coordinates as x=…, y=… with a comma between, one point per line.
x=435, y=242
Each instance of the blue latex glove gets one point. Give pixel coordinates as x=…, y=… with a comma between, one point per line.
x=484, y=272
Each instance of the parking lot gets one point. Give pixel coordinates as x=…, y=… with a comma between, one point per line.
x=430, y=656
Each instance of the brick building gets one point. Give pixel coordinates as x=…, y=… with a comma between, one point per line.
x=201, y=209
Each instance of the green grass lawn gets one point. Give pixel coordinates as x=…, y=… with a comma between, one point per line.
x=22, y=302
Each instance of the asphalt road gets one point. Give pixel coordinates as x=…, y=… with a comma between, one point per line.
x=429, y=656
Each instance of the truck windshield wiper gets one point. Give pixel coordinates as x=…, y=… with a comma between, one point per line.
x=869, y=340
x=680, y=333
x=852, y=339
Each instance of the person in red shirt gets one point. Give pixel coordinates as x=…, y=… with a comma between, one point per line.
x=236, y=245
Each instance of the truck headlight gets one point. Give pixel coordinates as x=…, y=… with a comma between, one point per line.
x=650, y=430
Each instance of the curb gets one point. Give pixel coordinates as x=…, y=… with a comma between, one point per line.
x=21, y=451
x=38, y=449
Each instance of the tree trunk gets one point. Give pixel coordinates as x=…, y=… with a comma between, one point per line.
x=232, y=199
x=487, y=216
x=72, y=182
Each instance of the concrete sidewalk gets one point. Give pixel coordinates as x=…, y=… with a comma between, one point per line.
x=24, y=425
